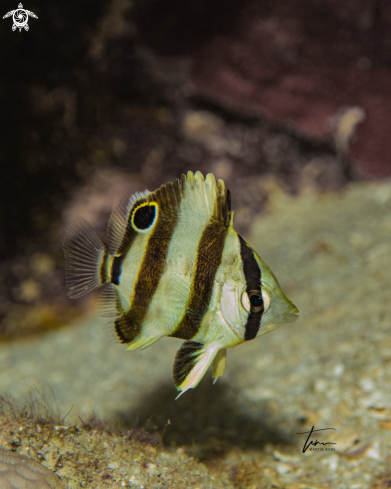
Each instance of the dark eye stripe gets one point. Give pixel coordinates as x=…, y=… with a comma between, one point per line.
x=252, y=275
x=252, y=272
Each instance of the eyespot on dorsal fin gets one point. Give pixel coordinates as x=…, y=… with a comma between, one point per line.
x=138, y=212
x=118, y=228
x=144, y=216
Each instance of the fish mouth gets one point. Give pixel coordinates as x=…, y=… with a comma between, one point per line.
x=292, y=315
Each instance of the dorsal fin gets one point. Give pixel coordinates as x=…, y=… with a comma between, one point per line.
x=223, y=203
x=203, y=196
x=206, y=197
x=117, y=227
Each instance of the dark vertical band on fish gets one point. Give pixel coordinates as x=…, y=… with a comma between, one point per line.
x=185, y=359
x=129, y=325
x=209, y=256
x=252, y=275
x=116, y=268
x=130, y=233
x=126, y=243
x=103, y=268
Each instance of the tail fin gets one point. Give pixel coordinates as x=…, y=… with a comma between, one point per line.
x=85, y=257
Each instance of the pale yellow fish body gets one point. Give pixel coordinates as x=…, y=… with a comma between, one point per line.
x=176, y=267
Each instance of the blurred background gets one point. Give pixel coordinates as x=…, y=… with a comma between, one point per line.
x=100, y=99
x=290, y=103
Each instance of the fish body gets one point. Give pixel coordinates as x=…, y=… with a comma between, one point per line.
x=176, y=267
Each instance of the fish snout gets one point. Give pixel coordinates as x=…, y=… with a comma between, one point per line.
x=291, y=314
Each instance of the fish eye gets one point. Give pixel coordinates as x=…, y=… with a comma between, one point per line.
x=256, y=301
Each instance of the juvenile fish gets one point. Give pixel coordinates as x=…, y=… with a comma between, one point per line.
x=176, y=267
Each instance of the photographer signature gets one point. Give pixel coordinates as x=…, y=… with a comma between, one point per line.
x=316, y=442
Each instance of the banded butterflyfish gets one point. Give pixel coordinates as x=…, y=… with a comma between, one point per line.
x=175, y=266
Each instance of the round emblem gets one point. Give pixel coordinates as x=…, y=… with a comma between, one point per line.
x=20, y=19
x=20, y=16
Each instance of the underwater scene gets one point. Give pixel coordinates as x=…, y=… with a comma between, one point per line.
x=178, y=180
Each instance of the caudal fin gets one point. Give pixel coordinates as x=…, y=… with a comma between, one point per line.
x=85, y=259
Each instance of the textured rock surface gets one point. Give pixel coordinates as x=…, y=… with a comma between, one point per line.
x=331, y=369
x=92, y=455
x=20, y=472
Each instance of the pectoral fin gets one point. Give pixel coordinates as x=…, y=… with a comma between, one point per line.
x=218, y=366
x=191, y=362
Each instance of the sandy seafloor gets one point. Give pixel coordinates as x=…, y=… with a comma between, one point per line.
x=330, y=369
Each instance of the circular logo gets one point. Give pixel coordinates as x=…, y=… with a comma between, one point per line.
x=20, y=18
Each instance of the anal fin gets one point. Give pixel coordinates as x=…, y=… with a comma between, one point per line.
x=192, y=360
x=218, y=366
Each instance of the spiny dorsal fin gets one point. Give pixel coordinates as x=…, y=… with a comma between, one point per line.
x=121, y=230
x=117, y=227
x=223, y=203
x=203, y=196
x=84, y=256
